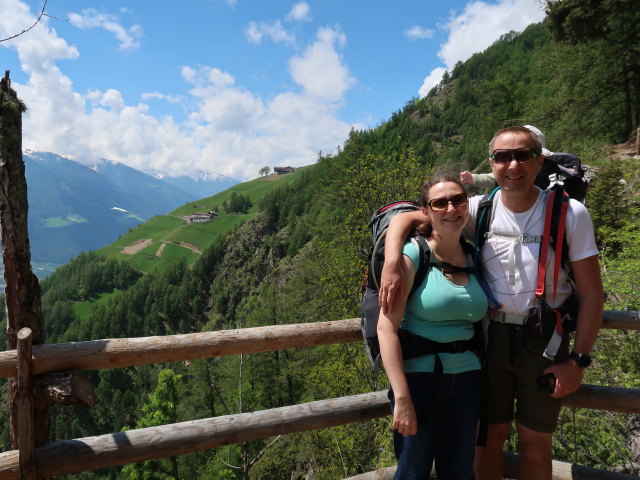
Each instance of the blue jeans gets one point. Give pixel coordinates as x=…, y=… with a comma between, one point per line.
x=447, y=434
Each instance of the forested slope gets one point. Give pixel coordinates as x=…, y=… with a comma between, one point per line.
x=301, y=259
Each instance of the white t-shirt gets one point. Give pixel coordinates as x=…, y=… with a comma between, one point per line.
x=516, y=291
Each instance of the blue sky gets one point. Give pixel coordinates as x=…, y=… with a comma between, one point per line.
x=229, y=86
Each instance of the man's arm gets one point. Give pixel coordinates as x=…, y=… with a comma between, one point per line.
x=392, y=271
x=591, y=295
x=484, y=180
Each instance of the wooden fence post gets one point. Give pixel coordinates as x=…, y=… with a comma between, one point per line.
x=24, y=402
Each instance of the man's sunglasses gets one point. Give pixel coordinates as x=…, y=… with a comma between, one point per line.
x=520, y=155
x=440, y=204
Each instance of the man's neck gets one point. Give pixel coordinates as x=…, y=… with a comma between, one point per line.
x=519, y=202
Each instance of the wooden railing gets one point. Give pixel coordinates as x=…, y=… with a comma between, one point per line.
x=91, y=453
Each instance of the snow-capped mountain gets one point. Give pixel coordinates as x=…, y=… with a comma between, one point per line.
x=202, y=184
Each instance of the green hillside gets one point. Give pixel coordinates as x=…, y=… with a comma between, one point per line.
x=300, y=257
x=163, y=239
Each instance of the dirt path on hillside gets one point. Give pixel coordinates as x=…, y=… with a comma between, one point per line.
x=193, y=248
x=160, y=249
x=137, y=246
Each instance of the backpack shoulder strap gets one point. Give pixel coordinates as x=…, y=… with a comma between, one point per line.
x=484, y=216
x=558, y=223
x=557, y=204
x=424, y=264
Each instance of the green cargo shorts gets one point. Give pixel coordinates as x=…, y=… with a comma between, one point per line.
x=513, y=365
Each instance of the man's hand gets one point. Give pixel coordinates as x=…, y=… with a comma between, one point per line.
x=391, y=285
x=466, y=177
x=568, y=378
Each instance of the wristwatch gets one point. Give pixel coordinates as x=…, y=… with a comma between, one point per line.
x=583, y=360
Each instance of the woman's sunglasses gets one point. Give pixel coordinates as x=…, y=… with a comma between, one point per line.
x=520, y=155
x=440, y=204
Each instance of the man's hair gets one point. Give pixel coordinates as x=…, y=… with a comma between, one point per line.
x=517, y=129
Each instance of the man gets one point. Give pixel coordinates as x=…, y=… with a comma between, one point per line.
x=515, y=360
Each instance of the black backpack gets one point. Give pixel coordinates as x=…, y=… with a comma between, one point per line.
x=564, y=169
x=370, y=309
x=412, y=345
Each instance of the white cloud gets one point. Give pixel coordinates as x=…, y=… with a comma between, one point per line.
x=418, y=33
x=111, y=99
x=128, y=38
x=431, y=81
x=320, y=70
x=275, y=31
x=477, y=27
x=255, y=32
x=161, y=96
x=300, y=12
x=230, y=130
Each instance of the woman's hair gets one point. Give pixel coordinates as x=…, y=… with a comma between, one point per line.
x=426, y=229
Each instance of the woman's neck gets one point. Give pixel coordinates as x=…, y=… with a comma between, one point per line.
x=447, y=248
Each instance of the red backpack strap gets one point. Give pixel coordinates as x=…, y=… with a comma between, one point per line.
x=550, y=210
x=562, y=222
x=544, y=245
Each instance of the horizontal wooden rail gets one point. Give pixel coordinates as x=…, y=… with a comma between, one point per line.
x=560, y=471
x=92, y=453
x=129, y=352
x=623, y=320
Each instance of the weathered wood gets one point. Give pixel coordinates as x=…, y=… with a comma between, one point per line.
x=612, y=399
x=92, y=453
x=128, y=352
x=561, y=471
x=21, y=285
x=22, y=290
x=124, y=352
x=169, y=440
x=380, y=474
x=564, y=470
x=24, y=407
x=10, y=464
x=621, y=320
x=68, y=388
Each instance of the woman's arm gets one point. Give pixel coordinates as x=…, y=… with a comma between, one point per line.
x=392, y=271
x=404, y=415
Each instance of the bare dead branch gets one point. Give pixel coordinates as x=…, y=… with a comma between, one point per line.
x=42, y=14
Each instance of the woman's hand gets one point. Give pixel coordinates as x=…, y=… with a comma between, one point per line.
x=404, y=417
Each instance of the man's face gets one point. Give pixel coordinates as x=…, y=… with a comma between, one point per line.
x=514, y=176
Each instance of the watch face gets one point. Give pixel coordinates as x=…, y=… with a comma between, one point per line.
x=582, y=359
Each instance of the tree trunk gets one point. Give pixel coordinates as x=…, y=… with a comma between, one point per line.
x=22, y=290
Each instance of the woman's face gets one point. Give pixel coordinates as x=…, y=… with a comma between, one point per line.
x=447, y=208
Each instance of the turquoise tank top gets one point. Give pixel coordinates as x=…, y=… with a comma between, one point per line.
x=445, y=312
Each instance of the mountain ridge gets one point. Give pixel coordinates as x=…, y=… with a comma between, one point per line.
x=75, y=207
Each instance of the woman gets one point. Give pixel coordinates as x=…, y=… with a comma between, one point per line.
x=435, y=397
